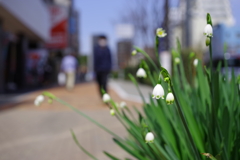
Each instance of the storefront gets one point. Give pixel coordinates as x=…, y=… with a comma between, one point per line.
x=24, y=28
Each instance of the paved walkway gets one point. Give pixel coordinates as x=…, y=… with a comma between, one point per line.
x=37, y=133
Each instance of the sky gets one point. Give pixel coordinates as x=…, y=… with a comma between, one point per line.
x=100, y=17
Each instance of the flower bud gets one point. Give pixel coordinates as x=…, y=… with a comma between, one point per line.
x=112, y=112
x=195, y=62
x=134, y=52
x=208, y=40
x=166, y=79
x=177, y=60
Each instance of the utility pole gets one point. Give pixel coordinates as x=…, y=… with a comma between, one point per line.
x=70, y=25
x=165, y=40
x=188, y=24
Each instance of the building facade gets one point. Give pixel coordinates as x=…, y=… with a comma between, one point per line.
x=32, y=42
x=225, y=40
x=24, y=26
x=188, y=20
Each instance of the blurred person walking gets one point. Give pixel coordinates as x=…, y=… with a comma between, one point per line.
x=102, y=62
x=69, y=66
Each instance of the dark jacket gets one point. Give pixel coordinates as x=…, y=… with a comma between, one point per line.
x=102, y=59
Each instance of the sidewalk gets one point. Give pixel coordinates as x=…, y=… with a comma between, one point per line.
x=29, y=132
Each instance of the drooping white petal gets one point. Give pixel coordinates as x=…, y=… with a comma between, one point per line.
x=141, y=73
x=158, y=91
x=149, y=137
x=106, y=98
x=195, y=62
x=208, y=31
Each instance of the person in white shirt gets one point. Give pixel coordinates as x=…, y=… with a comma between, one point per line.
x=69, y=67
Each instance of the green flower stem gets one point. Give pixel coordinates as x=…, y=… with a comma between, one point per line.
x=136, y=84
x=114, y=106
x=87, y=117
x=152, y=150
x=183, y=119
x=129, y=111
x=151, y=78
x=120, y=120
x=157, y=49
x=147, y=56
x=81, y=147
x=160, y=153
x=118, y=115
x=159, y=78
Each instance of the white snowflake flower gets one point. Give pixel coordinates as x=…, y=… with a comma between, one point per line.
x=149, y=138
x=208, y=30
x=158, y=92
x=106, y=98
x=170, y=98
x=161, y=33
x=141, y=73
x=39, y=99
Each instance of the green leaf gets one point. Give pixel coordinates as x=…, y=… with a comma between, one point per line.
x=79, y=145
x=147, y=56
x=126, y=148
x=111, y=156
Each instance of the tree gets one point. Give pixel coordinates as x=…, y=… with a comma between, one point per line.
x=146, y=16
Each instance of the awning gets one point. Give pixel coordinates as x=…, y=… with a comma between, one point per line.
x=30, y=17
